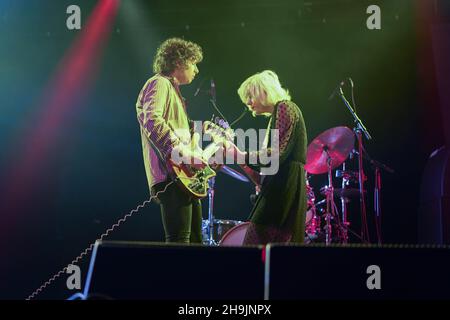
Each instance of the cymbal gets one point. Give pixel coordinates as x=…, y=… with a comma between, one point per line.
x=234, y=174
x=335, y=143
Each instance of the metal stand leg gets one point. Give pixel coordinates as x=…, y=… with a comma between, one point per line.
x=344, y=200
x=361, y=178
x=330, y=203
x=211, y=240
x=377, y=203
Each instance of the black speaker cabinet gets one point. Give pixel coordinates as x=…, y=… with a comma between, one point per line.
x=125, y=270
x=434, y=210
x=358, y=272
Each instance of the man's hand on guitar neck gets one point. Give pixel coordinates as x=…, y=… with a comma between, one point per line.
x=190, y=155
x=187, y=156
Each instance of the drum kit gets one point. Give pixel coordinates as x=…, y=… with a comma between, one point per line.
x=328, y=151
x=323, y=221
x=325, y=153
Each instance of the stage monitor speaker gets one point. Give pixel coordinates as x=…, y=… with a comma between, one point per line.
x=358, y=272
x=434, y=210
x=126, y=270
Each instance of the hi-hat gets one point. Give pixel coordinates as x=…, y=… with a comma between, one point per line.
x=334, y=145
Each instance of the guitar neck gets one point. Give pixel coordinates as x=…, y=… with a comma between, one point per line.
x=209, y=151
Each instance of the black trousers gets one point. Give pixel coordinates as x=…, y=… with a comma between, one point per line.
x=181, y=214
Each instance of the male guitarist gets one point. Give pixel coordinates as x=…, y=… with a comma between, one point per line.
x=165, y=130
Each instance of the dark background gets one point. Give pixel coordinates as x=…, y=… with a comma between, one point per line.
x=92, y=172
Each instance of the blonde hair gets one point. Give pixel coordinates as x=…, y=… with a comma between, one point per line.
x=265, y=87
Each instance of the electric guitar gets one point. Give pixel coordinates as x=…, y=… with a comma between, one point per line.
x=195, y=181
x=223, y=132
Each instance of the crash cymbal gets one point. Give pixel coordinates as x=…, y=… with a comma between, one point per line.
x=233, y=173
x=335, y=144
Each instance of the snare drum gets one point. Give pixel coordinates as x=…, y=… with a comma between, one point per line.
x=220, y=228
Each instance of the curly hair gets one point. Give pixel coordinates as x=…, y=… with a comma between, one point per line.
x=176, y=52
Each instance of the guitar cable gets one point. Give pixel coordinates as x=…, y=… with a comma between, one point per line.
x=238, y=118
x=220, y=113
x=91, y=246
x=217, y=109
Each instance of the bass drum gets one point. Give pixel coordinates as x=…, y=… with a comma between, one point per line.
x=235, y=236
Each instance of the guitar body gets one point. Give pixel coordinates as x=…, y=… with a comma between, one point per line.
x=191, y=180
x=195, y=181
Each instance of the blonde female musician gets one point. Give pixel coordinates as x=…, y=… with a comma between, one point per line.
x=279, y=211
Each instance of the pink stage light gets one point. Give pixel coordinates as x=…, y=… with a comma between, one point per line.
x=70, y=81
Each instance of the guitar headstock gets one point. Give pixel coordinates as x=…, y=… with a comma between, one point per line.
x=219, y=130
x=221, y=123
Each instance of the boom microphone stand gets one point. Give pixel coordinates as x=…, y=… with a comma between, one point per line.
x=378, y=166
x=359, y=130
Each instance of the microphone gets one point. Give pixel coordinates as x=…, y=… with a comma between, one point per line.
x=336, y=90
x=213, y=89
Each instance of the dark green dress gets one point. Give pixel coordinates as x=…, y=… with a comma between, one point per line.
x=279, y=211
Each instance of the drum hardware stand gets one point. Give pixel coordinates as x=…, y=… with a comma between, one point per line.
x=326, y=152
x=212, y=180
x=377, y=203
x=330, y=201
x=311, y=204
x=346, y=176
x=211, y=240
x=344, y=200
x=359, y=130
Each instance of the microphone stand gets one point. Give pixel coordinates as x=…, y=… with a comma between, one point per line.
x=211, y=240
x=377, y=192
x=359, y=130
x=211, y=183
